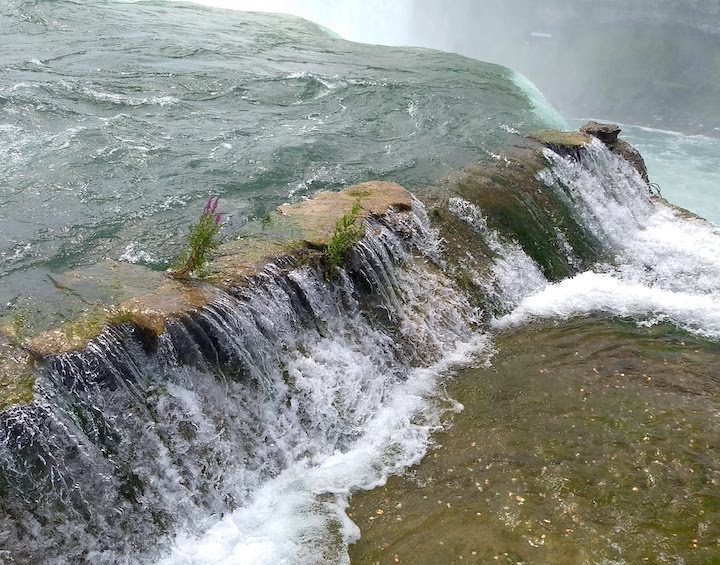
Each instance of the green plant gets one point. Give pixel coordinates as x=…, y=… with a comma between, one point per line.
x=202, y=241
x=346, y=234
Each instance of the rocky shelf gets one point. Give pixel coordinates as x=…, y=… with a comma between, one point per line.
x=114, y=293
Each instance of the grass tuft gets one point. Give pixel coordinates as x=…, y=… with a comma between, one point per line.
x=346, y=234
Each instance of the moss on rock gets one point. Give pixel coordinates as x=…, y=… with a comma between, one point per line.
x=520, y=207
x=16, y=378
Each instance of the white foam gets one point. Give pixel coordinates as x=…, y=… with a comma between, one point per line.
x=591, y=293
x=514, y=275
x=125, y=100
x=666, y=265
x=359, y=412
x=133, y=254
x=292, y=517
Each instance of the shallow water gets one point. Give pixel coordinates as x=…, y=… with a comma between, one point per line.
x=590, y=441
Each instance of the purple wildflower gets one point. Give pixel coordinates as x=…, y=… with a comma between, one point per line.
x=211, y=204
x=218, y=217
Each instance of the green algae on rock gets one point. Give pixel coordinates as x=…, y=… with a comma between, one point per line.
x=119, y=293
x=520, y=207
x=562, y=142
x=555, y=138
x=16, y=377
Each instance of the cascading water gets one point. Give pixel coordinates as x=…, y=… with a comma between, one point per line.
x=591, y=435
x=665, y=263
x=255, y=418
x=513, y=274
x=292, y=386
x=239, y=434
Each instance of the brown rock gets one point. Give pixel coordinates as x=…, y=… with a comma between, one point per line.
x=608, y=134
x=316, y=218
x=632, y=155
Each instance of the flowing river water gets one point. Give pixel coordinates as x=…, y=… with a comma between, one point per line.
x=548, y=399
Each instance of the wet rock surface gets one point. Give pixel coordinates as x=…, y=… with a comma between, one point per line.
x=112, y=292
x=16, y=378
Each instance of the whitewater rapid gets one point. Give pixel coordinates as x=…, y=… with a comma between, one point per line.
x=666, y=264
x=665, y=268
x=353, y=380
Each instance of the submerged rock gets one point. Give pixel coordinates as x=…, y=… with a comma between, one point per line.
x=119, y=293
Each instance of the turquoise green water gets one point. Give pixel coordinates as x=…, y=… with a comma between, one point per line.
x=117, y=120
x=686, y=167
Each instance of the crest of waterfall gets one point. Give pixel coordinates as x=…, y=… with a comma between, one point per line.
x=138, y=441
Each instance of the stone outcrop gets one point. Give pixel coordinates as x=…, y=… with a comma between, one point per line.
x=608, y=134
x=562, y=142
x=116, y=293
x=317, y=217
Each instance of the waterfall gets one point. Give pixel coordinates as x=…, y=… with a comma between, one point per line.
x=243, y=429
x=129, y=442
x=665, y=262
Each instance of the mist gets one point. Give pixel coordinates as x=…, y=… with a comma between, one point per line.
x=649, y=62
x=369, y=21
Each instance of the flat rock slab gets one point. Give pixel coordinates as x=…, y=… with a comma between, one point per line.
x=113, y=293
x=240, y=260
x=116, y=293
x=554, y=138
x=316, y=218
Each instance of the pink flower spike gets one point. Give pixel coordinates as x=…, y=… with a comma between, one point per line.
x=218, y=217
x=208, y=205
x=214, y=205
